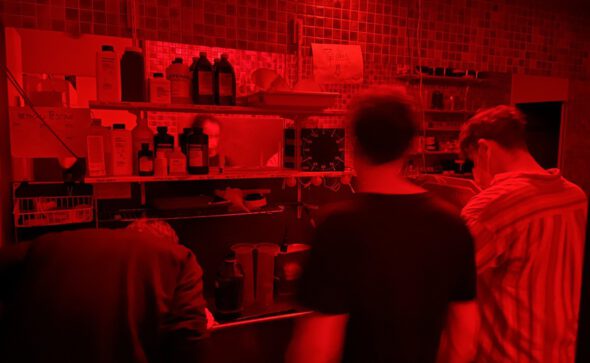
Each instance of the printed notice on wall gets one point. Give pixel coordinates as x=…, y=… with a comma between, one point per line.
x=337, y=63
x=29, y=138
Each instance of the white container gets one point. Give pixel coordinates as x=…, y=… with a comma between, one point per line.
x=159, y=89
x=108, y=76
x=161, y=164
x=96, y=146
x=177, y=162
x=121, y=142
x=180, y=82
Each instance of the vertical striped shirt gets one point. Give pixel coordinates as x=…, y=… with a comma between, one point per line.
x=529, y=232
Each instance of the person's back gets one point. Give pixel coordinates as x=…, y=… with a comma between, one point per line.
x=530, y=276
x=105, y=296
x=393, y=263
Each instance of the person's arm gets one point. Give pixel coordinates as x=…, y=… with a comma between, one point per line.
x=459, y=338
x=186, y=322
x=317, y=339
x=458, y=344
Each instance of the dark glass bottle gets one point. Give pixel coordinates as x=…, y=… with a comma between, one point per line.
x=229, y=287
x=197, y=152
x=133, y=75
x=225, y=82
x=145, y=158
x=163, y=141
x=183, y=138
x=202, y=80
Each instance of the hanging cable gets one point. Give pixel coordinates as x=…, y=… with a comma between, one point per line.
x=12, y=79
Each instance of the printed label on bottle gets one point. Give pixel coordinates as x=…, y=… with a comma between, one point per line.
x=167, y=148
x=122, y=155
x=226, y=82
x=179, y=88
x=205, y=83
x=177, y=166
x=196, y=156
x=146, y=165
x=96, y=162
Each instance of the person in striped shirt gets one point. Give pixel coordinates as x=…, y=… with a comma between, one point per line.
x=528, y=224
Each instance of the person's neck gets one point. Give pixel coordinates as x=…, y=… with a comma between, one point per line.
x=522, y=162
x=385, y=179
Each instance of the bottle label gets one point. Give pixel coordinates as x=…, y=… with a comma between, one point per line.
x=146, y=165
x=226, y=82
x=167, y=148
x=205, y=83
x=196, y=156
x=177, y=166
x=122, y=158
x=179, y=87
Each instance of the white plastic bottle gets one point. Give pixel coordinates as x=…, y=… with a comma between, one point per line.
x=108, y=82
x=177, y=162
x=159, y=89
x=180, y=82
x=121, y=142
x=96, y=144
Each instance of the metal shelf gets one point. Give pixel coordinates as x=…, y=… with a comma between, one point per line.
x=189, y=108
x=442, y=129
x=435, y=153
x=226, y=175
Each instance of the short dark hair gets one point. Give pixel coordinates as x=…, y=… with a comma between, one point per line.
x=384, y=123
x=200, y=120
x=505, y=125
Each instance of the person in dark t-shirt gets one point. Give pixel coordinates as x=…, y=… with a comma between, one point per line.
x=393, y=267
x=212, y=128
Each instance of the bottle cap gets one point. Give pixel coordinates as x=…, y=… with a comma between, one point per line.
x=197, y=130
x=177, y=60
x=118, y=126
x=162, y=129
x=158, y=75
x=108, y=48
x=224, y=56
x=203, y=54
x=145, y=147
x=186, y=130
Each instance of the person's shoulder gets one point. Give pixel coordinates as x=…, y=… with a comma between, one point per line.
x=337, y=212
x=500, y=197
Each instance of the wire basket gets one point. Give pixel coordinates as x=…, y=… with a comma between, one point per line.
x=53, y=211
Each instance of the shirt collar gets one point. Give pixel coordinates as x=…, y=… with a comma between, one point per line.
x=552, y=174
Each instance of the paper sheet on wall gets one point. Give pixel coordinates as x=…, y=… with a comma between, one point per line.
x=337, y=63
x=29, y=138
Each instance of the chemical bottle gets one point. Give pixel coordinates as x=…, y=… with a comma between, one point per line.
x=145, y=161
x=202, y=72
x=176, y=162
x=161, y=163
x=141, y=134
x=97, y=144
x=163, y=141
x=229, y=287
x=133, y=75
x=182, y=138
x=159, y=89
x=180, y=81
x=225, y=82
x=121, y=142
x=108, y=83
x=197, y=148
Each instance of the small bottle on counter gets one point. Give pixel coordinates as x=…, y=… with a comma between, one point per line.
x=197, y=148
x=108, y=83
x=145, y=160
x=229, y=287
x=180, y=82
x=122, y=150
x=163, y=141
x=225, y=79
x=159, y=89
x=177, y=162
x=202, y=71
x=133, y=75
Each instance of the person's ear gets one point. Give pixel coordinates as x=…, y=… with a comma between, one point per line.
x=483, y=146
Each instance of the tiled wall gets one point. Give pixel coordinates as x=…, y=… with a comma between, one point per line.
x=515, y=36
